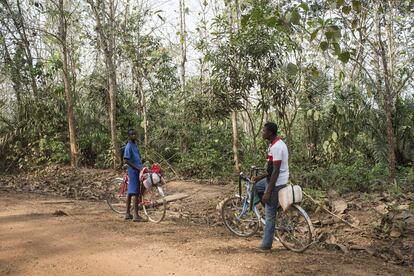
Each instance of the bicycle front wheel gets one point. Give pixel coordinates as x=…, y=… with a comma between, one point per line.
x=237, y=217
x=116, y=197
x=294, y=228
x=154, y=204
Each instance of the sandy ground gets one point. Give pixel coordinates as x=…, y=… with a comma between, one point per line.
x=92, y=240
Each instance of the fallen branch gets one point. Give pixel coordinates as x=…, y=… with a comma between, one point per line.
x=338, y=217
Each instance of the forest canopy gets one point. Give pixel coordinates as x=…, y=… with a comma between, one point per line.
x=336, y=76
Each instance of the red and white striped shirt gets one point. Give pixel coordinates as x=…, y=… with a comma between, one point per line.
x=278, y=153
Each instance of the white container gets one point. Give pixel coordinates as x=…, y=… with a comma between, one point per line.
x=146, y=179
x=290, y=195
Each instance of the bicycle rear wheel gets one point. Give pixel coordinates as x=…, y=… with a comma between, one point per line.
x=237, y=217
x=294, y=228
x=154, y=204
x=116, y=197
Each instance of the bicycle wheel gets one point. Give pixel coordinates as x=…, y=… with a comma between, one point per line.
x=154, y=204
x=237, y=217
x=116, y=197
x=294, y=228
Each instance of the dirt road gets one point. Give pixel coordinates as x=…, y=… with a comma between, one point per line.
x=91, y=240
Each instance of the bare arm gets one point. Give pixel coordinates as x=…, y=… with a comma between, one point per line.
x=131, y=164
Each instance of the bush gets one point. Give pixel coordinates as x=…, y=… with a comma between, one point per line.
x=405, y=178
x=205, y=163
x=355, y=177
x=55, y=150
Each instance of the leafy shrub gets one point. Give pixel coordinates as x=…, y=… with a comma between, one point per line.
x=55, y=150
x=209, y=157
x=357, y=176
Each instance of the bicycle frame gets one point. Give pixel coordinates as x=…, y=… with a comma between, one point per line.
x=124, y=182
x=248, y=200
x=243, y=217
x=124, y=187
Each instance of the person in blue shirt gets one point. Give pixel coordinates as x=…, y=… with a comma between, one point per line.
x=132, y=158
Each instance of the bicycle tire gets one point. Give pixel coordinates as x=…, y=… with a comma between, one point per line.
x=230, y=212
x=116, y=199
x=294, y=229
x=154, y=204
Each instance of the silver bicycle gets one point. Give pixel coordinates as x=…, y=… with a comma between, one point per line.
x=294, y=228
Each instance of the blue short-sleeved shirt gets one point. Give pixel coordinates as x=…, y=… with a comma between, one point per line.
x=132, y=154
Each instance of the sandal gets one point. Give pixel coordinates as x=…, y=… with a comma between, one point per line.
x=137, y=219
x=128, y=217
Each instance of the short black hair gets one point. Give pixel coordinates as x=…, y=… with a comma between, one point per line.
x=272, y=127
x=130, y=130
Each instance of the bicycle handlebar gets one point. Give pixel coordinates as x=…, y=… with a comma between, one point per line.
x=245, y=178
x=242, y=176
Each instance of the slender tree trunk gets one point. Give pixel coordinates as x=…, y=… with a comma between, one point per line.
x=67, y=86
x=113, y=88
x=388, y=96
x=20, y=26
x=28, y=52
x=107, y=37
x=235, y=141
x=144, y=113
x=15, y=78
x=112, y=114
x=183, y=45
x=137, y=89
x=234, y=113
x=390, y=41
x=391, y=143
x=72, y=63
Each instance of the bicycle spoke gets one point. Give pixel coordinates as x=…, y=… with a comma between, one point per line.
x=116, y=198
x=154, y=204
x=238, y=219
x=294, y=230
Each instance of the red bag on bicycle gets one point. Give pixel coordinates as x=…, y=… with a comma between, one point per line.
x=150, y=177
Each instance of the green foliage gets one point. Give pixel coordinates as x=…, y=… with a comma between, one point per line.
x=45, y=150
x=296, y=63
x=205, y=161
x=324, y=45
x=292, y=69
x=103, y=159
x=344, y=177
x=56, y=151
x=344, y=57
x=405, y=178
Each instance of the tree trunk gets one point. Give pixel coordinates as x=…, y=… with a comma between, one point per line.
x=183, y=45
x=391, y=144
x=112, y=113
x=144, y=114
x=28, y=52
x=107, y=37
x=15, y=78
x=235, y=141
x=234, y=113
x=19, y=23
x=67, y=86
x=388, y=97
